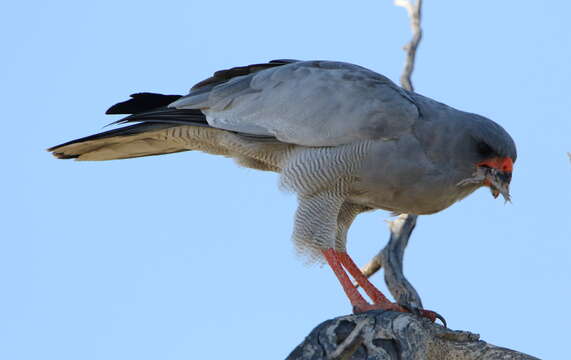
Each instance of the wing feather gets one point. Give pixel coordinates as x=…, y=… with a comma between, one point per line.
x=311, y=103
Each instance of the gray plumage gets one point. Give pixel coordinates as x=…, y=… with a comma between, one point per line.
x=343, y=138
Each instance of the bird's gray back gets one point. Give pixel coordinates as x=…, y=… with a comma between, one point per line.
x=311, y=103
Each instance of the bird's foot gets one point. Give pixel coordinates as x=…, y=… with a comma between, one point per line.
x=430, y=315
x=338, y=260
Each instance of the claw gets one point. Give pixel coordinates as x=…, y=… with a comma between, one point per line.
x=442, y=319
x=430, y=315
x=433, y=315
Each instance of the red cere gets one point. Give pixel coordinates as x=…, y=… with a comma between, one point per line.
x=502, y=164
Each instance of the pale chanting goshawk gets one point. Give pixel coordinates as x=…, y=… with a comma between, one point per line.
x=345, y=139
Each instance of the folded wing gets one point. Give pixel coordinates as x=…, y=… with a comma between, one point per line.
x=311, y=103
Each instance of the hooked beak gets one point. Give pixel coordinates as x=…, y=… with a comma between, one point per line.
x=498, y=182
x=495, y=173
x=495, y=191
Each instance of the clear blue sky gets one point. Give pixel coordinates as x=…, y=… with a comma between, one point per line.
x=188, y=256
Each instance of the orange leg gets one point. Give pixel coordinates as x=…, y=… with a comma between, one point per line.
x=337, y=260
x=353, y=294
x=375, y=294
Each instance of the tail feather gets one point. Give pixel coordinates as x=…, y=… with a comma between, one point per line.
x=142, y=102
x=158, y=129
x=152, y=135
x=137, y=140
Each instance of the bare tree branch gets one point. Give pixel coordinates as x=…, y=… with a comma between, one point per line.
x=414, y=13
x=391, y=257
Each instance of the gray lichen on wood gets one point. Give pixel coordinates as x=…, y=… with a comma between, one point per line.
x=389, y=335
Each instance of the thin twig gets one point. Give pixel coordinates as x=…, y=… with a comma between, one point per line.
x=414, y=13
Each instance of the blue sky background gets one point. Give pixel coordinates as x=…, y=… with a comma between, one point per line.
x=188, y=256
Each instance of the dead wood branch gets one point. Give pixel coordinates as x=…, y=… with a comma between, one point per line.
x=414, y=14
x=391, y=257
x=388, y=335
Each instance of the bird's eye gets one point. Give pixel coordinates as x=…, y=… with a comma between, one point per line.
x=484, y=150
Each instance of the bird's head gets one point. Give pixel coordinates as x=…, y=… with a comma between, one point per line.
x=492, y=153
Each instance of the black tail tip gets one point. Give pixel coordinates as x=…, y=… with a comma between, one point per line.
x=141, y=102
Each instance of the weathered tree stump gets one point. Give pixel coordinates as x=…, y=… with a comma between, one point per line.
x=389, y=335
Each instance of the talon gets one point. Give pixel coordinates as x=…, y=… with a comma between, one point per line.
x=442, y=320
x=432, y=316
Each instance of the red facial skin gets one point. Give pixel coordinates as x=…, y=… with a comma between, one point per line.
x=504, y=164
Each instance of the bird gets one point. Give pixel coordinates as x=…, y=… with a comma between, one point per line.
x=345, y=139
